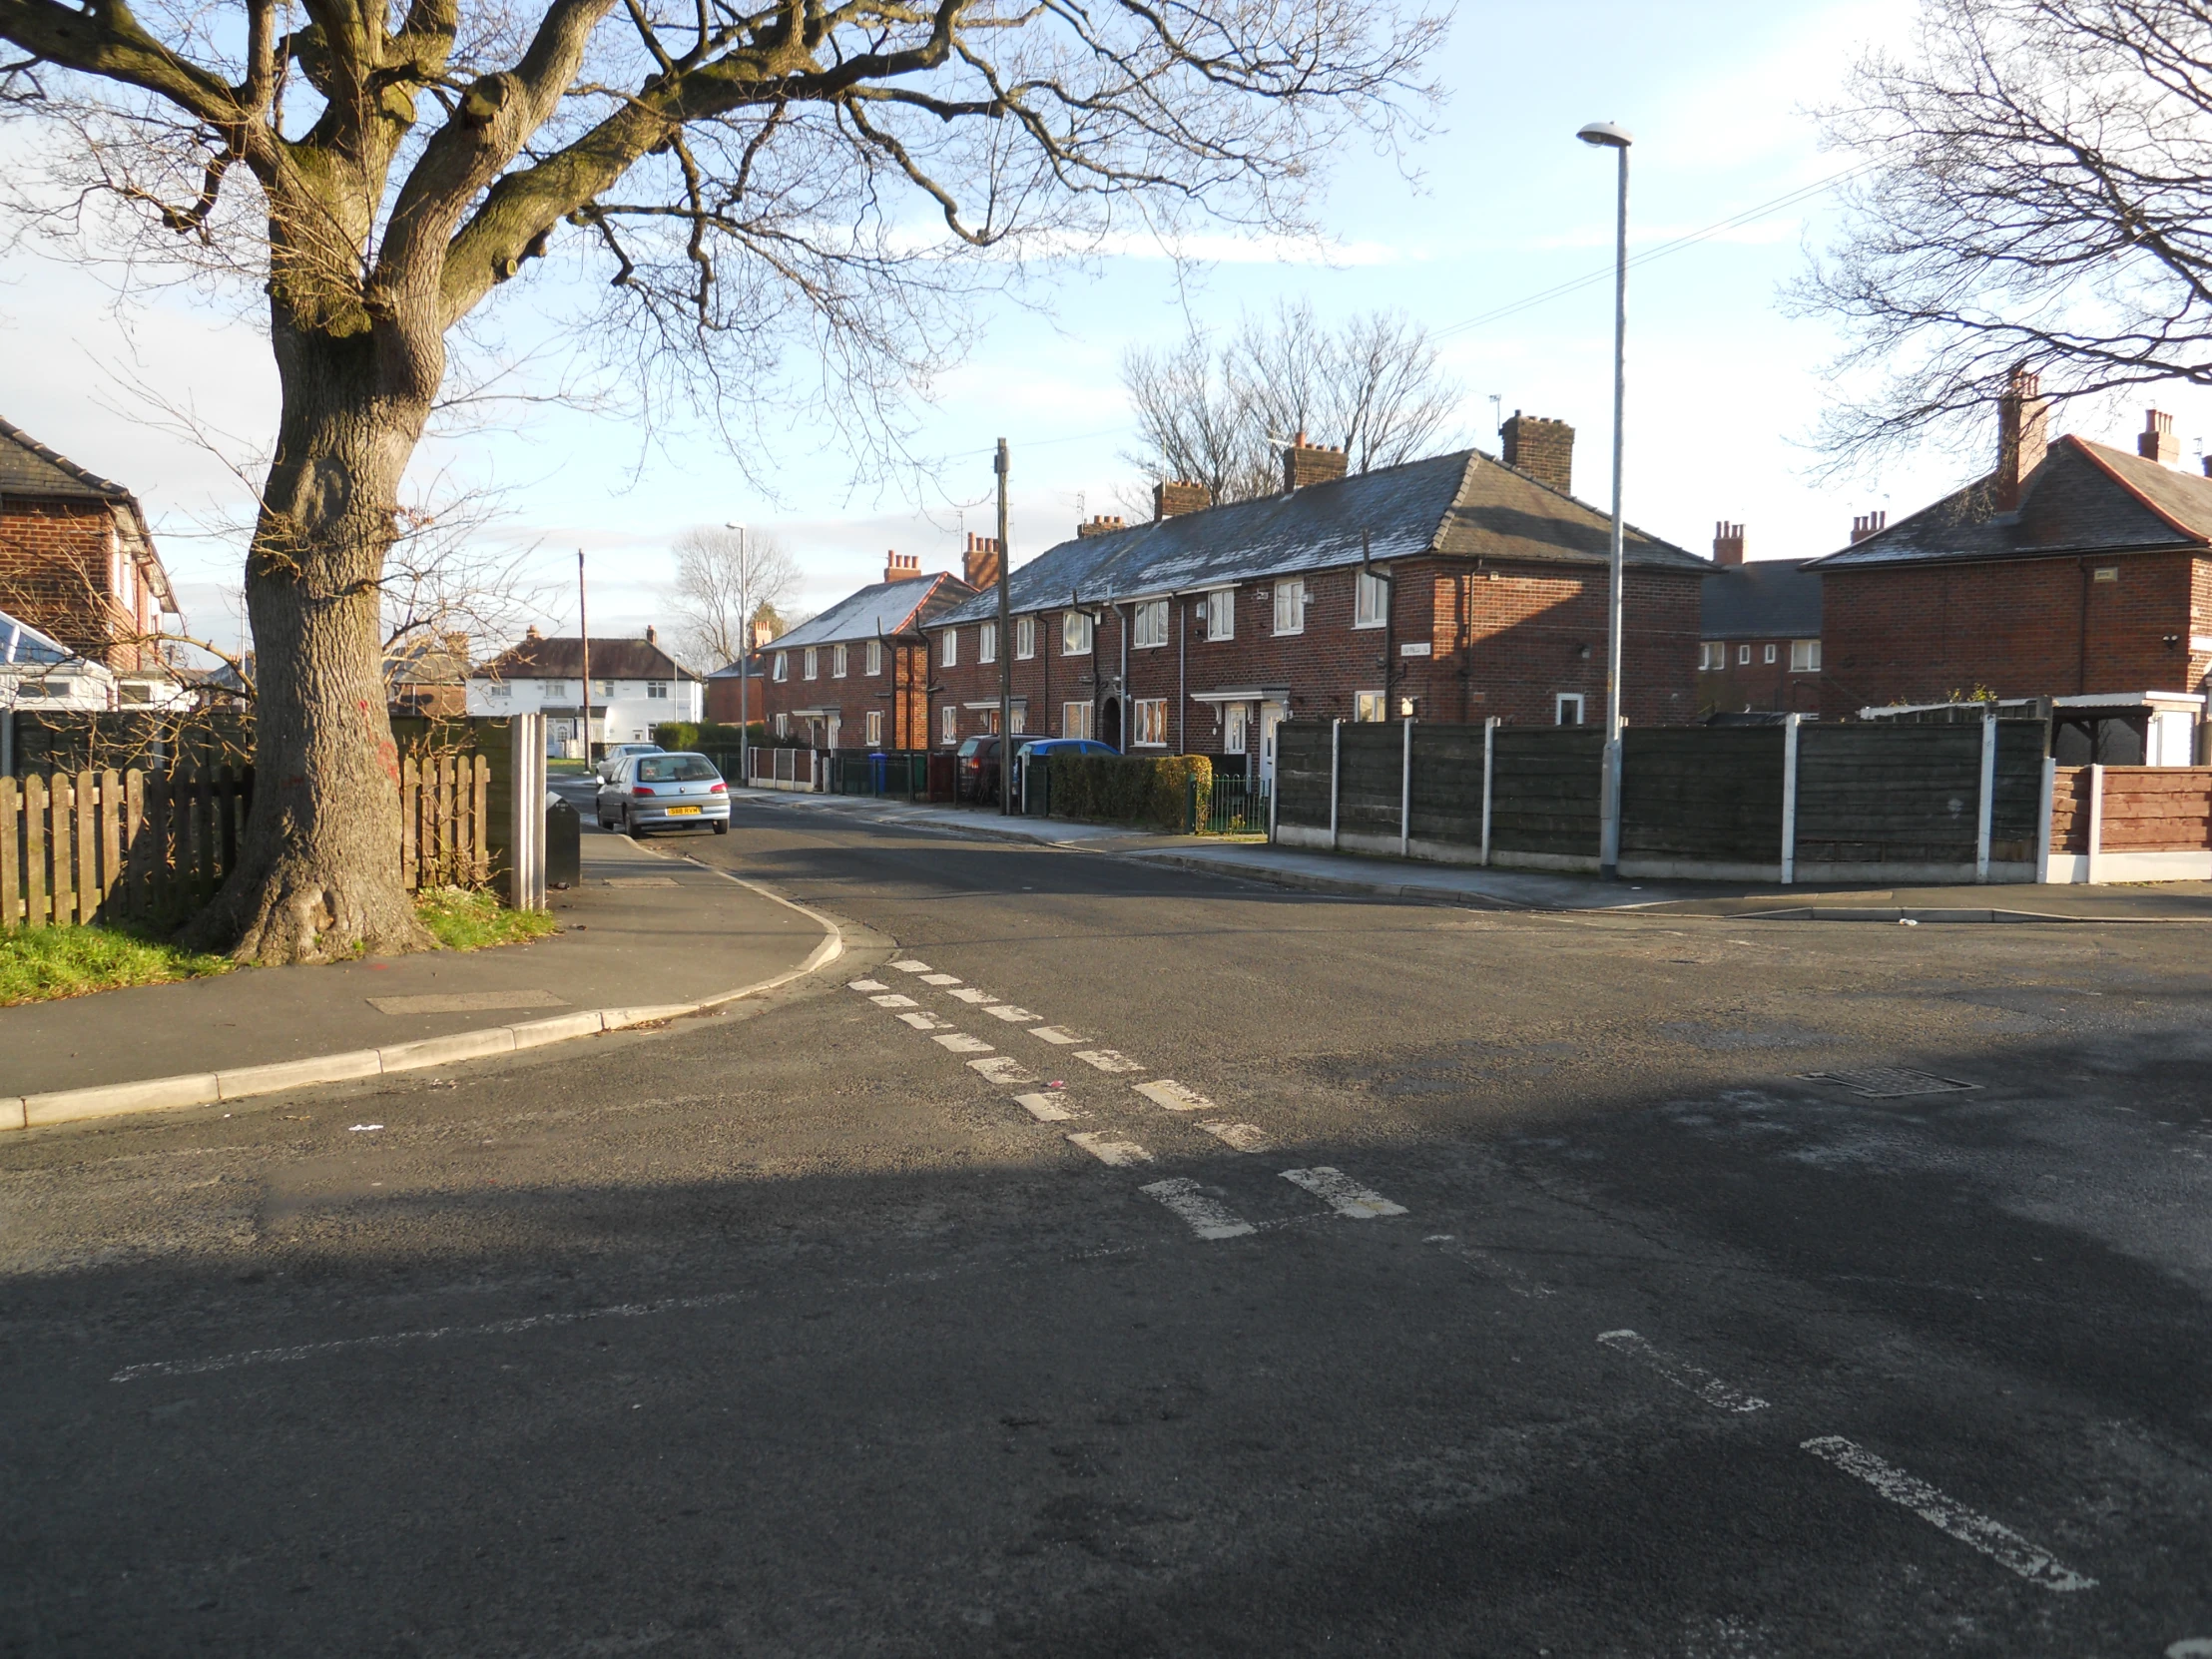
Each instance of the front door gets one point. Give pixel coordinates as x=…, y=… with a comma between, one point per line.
x=1109, y=723
x=836, y=723
x=1270, y=717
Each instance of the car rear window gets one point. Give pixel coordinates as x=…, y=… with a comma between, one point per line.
x=677, y=769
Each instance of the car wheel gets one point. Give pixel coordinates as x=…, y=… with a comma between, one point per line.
x=721, y=829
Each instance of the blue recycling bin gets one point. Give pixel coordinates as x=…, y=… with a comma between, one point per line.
x=879, y=768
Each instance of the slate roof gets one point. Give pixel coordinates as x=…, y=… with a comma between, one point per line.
x=1465, y=503
x=2084, y=498
x=563, y=659
x=31, y=646
x=883, y=608
x=1766, y=599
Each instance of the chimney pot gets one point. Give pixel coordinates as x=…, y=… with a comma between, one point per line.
x=1543, y=449
x=2157, y=441
x=902, y=567
x=2023, y=434
x=1172, y=497
x=533, y=632
x=980, y=565
x=1728, y=543
x=1100, y=525
x=1869, y=524
x=651, y=636
x=1305, y=463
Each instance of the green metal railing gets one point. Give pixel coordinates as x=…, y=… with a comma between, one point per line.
x=1234, y=805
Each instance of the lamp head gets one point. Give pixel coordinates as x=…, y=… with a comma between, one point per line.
x=1606, y=136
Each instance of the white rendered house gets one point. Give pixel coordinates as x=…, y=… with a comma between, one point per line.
x=635, y=685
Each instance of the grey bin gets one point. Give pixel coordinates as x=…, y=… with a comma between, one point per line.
x=564, y=846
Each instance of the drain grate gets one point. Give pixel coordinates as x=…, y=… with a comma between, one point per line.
x=1890, y=1082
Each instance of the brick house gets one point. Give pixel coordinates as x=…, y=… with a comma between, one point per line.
x=857, y=676
x=1450, y=589
x=1758, y=633
x=2071, y=570
x=78, y=563
x=428, y=677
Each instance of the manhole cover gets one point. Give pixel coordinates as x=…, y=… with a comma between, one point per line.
x=1890, y=1082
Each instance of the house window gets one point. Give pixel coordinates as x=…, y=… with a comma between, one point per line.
x=876, y=656
x=657, y=688
x=1150, y=727
x=1769, y=654
x=1372, y=706
x=986, y=643
x=1075, y=720
x=837, y=662
x=1025, y=637
x=1075, y=633
x=606, y=688
x=1152, y=623
x=783, y=726
x=948, y=724
x=1567, y=707
x=1021, y=719
x=135, y=691
x=1235, y=727
x=1742, y=656
x=876, y=729
x=1370, y=607
x=949, y=648
x=813, y=662
x=1712, y=654
x=1805, y=656
x=499, y=689
x=1289, y=607
x=1219, y=608
x=783, y=668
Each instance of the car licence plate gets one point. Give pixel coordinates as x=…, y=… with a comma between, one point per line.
x=678, y=811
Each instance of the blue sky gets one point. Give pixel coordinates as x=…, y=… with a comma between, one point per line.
x=1723, y=396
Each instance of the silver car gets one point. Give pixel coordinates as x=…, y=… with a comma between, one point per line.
x=664, y=792
x=619, y=752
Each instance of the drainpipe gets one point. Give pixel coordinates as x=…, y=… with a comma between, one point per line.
x=1121, y=690
x=1181, y=683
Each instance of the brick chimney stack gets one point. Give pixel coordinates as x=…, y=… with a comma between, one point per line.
x=1869, y=524
x=2157, y=441
x=902, y=567
x=2023, y=433
x=1544, y=449
x=1101, y=525
x=980, y=565
x=1728, y=543
x=1173, y=496
x=1311, y=463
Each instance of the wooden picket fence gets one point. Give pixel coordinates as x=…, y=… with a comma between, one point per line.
x=152, y=849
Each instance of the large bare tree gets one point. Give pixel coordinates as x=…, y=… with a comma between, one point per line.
x=1219, y=415
x=2038, y=194
x=814, y=171
x=722, y=579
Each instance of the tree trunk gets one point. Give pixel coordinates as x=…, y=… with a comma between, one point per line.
x=317, y=875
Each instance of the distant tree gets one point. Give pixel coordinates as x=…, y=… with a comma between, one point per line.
x=721, y=577
x=1218, y=416
x=2037, y=195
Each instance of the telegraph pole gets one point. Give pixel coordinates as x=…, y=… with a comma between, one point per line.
x=582, y=629
x=1005, y=650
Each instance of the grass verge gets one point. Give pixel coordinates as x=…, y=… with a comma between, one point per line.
x=465, y=921
x=38, y=964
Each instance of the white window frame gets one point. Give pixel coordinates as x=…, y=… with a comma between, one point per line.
x=1148, y=723
x=813, y=667
x=949, y=648
x=1370, y=600
x=986, y=642
x=1025, y=638
x=499, y=689
x=838, y=661
x=874, y=728
x=781, y=669
x=1769, y=655
x=1290, y=603
x=1236, y=727
x=1742, y=656
x=1078, y=634
x=1221, y=614
x=1149, y=624
x=656, y=689
x=1370, y=706
x=606, y=689
x=783, y=726
x=1075, y=720
x=875, y=657
x=1805, y=656
x=1561, y=702
x=1711, y=656
x=948, y=724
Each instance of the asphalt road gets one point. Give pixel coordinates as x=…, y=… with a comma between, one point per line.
x=1526, y=1296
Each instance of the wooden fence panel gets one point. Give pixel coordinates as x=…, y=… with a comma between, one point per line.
x=1448, y=783
x=34, y=852
x=1545, y=790
x=1881, y=793
x=11, y=840
x=2156, y=809
x=1302, y=773
x=1703, y=792
x=1370, y=774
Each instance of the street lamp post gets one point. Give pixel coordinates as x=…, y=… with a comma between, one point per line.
x=1608, y=136
x=745, y=650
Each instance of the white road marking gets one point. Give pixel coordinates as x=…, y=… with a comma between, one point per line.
x=1043, y=1108
x=909, y=965
x=1171, y=1095
x=893, y=1000
x=1209, y=1218
x=867, y=985
x=940, y=979
x=1696, y=1378
x=925, y=1022
x=1342, y=1194
x=1994, y=1539
x=1003, y=1068
x=1053, y=1034
x=962, y=1043
x=2193, y=1647
x=1244, y=1137
x=1108, y=1151
x=968, y=993
x=1013, y=1016
x=1106, y=1059
x=1512, y=1278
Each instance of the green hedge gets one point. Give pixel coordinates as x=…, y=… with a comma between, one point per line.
x=1119, y=788
x=679, y=735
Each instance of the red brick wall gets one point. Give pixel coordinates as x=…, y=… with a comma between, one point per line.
x=56, y=574
x=2022, y=628
x=900, y=691
x=1504, y=646
x=1759, y=684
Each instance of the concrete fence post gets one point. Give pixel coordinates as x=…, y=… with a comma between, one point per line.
x=2044, y=802
x=526, y=811
x=1988, y=797
x=2096, y=824
x=1790, y=727
x=1490, y=773
x=1405, y=795
x=1336, y=745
